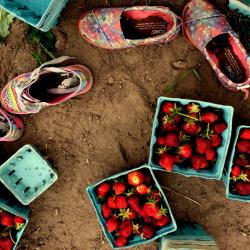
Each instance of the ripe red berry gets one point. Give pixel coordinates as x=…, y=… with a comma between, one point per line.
x=18, y=220
x=6, y=243
x=210, y=154
x=235, y=171
x=120, y=241
x=142, y=189
x=119, y=188
x=243, y=146
x=106, y=211
x=112, y=224
x=160, y=140
x=202, y=145
x=243, y=188
x=245, y=134
x=168, y=107
x=215, y=140
x=172, y=140
x=121, y=202
x=111, y=202
x=6, y=219
x=185, y=151
x=191, y=128
x=198, y=162
x=167, y=161
x=134, y=203
x=163, y=221
x=218, y=128
x=125, y=228
x=135, y=178
x=193, y=108
x=147, y=231
x=209, y=117
x=103, y=189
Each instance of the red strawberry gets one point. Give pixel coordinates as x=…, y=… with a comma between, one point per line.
x=120, y=241
x=103, y=189
x=6, y=219
x=148, y=220
x=106, y=211
x=202, y=145
x=235, y=171
x=243, y=146
x=243, y=188
x=147, y=231
x=171, y=140
x=120, y=201
x=185, y=151
x=198, y=162
x=168, y=124
x=160, y=140
x=119, y=188
x=191, y=128
x=167, y=161
x=135, y=178
x=125, y=228
x=112, y=224
x=193, y=108
x=210, y=154
x=142, y=189
x=147, y=179
x=18, y=220
x=177, y=118
x=163, y=221
x=136, y=229
x=151, y=209
x=241, y=161
x=245, y=134
x=216, y=140
x=134, y=203
x=156, y=195
x=219, y=127
x=168, y=107
x=127, y=213
x=111, y=202
x=209, y=117
x=6, y=243
x=177, y=159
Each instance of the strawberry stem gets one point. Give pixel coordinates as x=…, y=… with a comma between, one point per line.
x=188, y=116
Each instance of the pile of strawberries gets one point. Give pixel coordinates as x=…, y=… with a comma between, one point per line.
x=9, y=226
x=188, y=135
x=240, y=173
x=132, y=205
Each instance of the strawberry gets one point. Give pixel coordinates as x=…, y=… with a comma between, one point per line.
x=210, y=154
x=6, y=219
x=19, y=220
x=209, y=117
x=119, y=188
x=168, y=107
x=161, y=150
x=111, y=202
x=142, y=189
x=134, y=202
x=218, y=128
x=185, y=151
x=177, y=118
x=243, y=188
x=171, y=140
x=193, y=108
x=136, y=229
x=241, y=161
x=147, y=231
x=168, y=124
x=235, y=172
x=198, y=162
x=243, y=146
x=191, y=128
x=151, y=209
x=167, y=161
x=127, y=213
x=162, y=222
x=125, y=228
x=148, y=220
x=120, y=201
x=103, y=189
x=202, y=145
x=135, y=178
x=160, y=140
x=148, y=179
x=216, y=140
x=120, y=241
x=156, y=195
x=106, y=211
x=112, y=224
x=177, y=159
x=6, y=243
x=245, y=134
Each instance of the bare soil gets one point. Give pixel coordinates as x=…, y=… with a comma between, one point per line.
x=108, y=129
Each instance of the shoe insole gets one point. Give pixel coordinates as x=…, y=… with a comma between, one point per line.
x=4, y=126
x=229, y=63
x=143, y=28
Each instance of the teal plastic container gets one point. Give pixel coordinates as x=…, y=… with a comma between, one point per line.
x=242, y=6
x=137, y=240
x=42, y=14
x=216, y=172
x=228, y=168
x=14, y=207
x=188, y=236
x=27, y=174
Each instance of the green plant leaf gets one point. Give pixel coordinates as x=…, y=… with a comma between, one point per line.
x=5, y=21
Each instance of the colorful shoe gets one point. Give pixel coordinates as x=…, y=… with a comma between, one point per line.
x=119, y=28
x=11, y=127
x=45, y=86
x=209, y=31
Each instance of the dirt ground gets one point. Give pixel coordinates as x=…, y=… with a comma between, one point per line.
x=108, y=129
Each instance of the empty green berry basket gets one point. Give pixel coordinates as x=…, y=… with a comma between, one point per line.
x=136, y=240
x=27, y=174
x=228, y=169
x=212, y=173
x=12, y=206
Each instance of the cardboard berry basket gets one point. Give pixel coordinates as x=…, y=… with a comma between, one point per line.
x=136, y=240
x=228, y=168
x=27, y=174
x=210, y=173
x=12, y=206
x=41, y=14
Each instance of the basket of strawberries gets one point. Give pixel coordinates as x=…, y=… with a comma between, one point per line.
x=190, y=137
x=131, y=208
x=237, y=179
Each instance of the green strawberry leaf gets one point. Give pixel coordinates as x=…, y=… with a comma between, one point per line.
x=5, y=21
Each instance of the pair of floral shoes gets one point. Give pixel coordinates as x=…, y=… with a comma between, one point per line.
x=116, y=28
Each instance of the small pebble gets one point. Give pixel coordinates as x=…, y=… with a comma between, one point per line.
x=110, y=80
x=56, y=211
x=180, y=64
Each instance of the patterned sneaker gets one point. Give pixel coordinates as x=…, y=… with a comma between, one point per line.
x=45, y=86
x=209, y=31
x=11, y=127
x=119, y=28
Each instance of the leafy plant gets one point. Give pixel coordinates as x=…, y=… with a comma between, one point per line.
x=5, y=21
